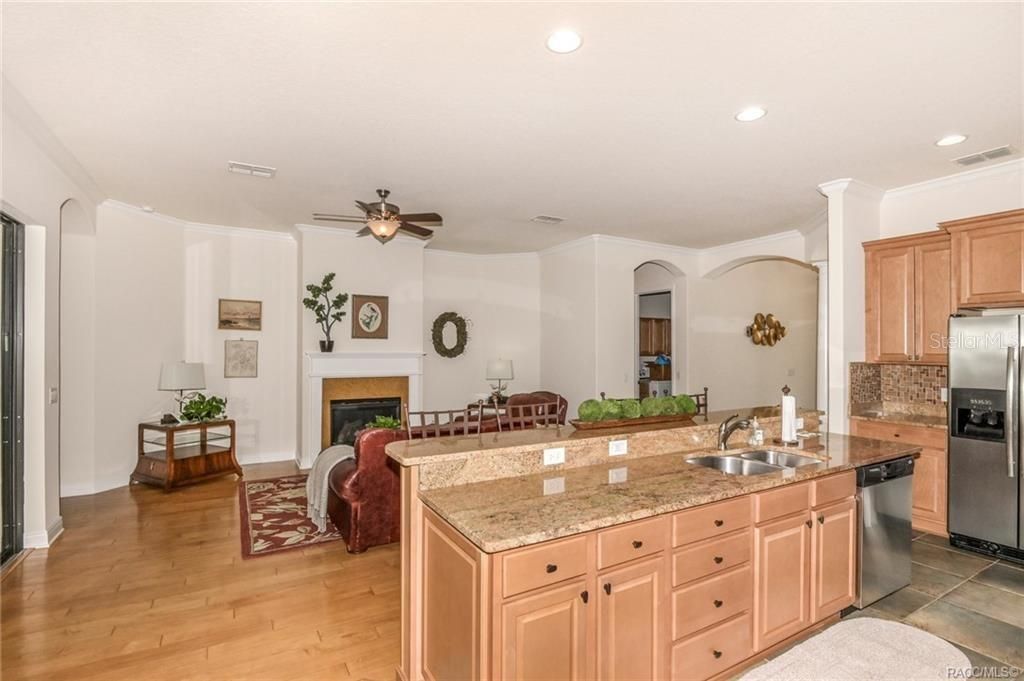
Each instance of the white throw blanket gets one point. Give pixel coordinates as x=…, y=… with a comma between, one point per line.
x=316, y=483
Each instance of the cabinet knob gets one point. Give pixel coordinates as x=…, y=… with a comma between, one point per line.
x=551, y=568
x=637, y=543
x=718, y=559
x=821, y=520
x=716, y=653
x=585, y=595
x=608, y=588
x=719, y=523
x=718, y=603
x=808, y=523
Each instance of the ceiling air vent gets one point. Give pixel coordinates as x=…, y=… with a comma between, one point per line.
x=982, y=156
x=251, y=169
x=547, y=219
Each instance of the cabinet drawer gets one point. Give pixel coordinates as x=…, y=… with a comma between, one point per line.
x=712, y=652
x=542, y=565
x=631, y=541
x=782, y=501
x=711, y=520
x=890, y=432
x=707, y=558
x=710, y=601
x=833, y=488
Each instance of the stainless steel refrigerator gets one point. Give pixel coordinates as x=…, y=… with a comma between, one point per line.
x=986, y=436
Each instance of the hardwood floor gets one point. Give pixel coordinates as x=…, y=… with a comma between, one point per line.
x=148, y=585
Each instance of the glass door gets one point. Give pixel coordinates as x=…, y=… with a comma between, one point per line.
x=12, y=322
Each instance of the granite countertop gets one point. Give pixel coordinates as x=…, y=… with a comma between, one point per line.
x=900, y=418
x=432, y=450
x=503, y=514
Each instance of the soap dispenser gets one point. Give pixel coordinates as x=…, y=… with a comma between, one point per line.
x=756, y=434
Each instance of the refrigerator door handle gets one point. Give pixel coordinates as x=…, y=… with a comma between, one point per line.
x=1011, y=408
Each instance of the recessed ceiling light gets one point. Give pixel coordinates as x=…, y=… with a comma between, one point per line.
x=950, y=140
x=750, y=114
x=564, y=41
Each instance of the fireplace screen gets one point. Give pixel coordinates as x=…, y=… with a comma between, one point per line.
x=348, y=417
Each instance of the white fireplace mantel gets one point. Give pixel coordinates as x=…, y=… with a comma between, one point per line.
x=321, y=365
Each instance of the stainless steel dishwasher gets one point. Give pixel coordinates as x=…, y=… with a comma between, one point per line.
x=884, y=498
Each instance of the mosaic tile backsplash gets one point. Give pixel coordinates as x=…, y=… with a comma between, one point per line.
x=897, y=383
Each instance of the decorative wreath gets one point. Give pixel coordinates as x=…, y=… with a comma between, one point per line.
x=461, y=335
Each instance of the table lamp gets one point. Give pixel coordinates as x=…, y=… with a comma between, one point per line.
x=179, y=377
x=499, y=370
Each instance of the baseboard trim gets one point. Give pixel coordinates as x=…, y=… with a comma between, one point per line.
x=14, y=562
x=44, y=540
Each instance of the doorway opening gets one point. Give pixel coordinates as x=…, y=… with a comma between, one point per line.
x=659, y=330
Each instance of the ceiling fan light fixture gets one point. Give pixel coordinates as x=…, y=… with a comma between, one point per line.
x=383, y=230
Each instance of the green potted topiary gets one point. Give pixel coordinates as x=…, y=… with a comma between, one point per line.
x=199, y=407
x=328, y=310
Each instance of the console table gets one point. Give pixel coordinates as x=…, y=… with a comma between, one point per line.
x=171, y=455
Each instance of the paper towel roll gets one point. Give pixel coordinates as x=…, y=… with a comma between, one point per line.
x=788, y=418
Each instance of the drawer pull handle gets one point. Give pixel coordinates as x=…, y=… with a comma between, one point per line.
x=895, y=434
x=718, y=603
x=821, y=520
x=718, y=559
x=551, y=568
x=608, y=588
x=719, y=523
x=637, y=543
x=808, y=523
x=585, y=595
x=716, y=653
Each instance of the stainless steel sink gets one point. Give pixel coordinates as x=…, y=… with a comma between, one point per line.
x=785, y=459
x=734, y=465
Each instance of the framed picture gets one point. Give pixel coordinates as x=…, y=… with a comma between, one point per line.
x=240, y=315
x=369, y=316
x=241, y=358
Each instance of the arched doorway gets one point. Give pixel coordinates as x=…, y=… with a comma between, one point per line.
x=660, y=329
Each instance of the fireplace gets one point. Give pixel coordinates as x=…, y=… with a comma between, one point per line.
x=348, y=417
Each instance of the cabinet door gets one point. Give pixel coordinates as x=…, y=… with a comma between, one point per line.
x=632, y=638
x=929, y=482
x=833, y=558
x=889, y=304
x=782, y=551
x=663, y=344
x=544, y=635
x=990, y=264
x=647, y=332
x=933, y=301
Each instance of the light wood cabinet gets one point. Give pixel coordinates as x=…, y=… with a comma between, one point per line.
x=988, y=259
x=630, y=637
x=545, y=634
x=928, y=509
x=782, y=551
x=655, y=336
x=908, y=298
x=833, y=558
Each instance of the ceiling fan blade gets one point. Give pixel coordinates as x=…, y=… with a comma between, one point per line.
x=432, y=219
x=367, y=208
x=331, y=217
x=416, y=230
x=365, y=231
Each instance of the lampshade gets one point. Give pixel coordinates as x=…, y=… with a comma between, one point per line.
x=383, y=229
x=182, y=376
x=499, y=370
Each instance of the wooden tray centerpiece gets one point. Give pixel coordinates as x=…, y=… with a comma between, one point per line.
x=617, y=413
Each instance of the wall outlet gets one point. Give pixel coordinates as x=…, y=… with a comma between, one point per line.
x=554, y=485
x=616, y=475
x=554, y=455
x=618, y=447
x=54, y=396
x=944, y=394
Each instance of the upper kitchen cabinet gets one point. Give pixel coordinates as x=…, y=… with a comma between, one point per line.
x=908, y=298
x=988, y=259
x=655, y=336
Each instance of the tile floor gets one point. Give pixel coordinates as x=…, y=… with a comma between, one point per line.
x=972, y=601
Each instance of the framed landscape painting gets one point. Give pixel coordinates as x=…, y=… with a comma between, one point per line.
x=369, y=316
x=241, y=358
x=240, y=315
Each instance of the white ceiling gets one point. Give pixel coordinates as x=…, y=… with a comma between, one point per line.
x=460, y=109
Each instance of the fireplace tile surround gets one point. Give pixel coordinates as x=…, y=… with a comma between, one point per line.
x=352, y=375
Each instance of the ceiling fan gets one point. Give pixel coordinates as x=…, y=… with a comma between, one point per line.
x=384, y=220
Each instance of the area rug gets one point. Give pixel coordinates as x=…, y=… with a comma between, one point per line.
x=866, y=649
x=273, y=515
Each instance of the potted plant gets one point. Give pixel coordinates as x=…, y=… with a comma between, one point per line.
x=328, y=310
x=199, y=407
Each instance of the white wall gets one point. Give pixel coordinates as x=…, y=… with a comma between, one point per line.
x=234, y=263
x=499, y=295
x=737, y=372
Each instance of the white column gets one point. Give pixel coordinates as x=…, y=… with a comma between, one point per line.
x=821, y=377
x=853, y=218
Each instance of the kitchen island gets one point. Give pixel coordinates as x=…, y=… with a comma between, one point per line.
x=641, y=565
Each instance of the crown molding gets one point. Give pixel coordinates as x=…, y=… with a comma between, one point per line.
x=529, y=255
x=639, y=243
x=1005, y=168
x=223, y=230
x=756, y=241
x=852, y=186
x=568, y=245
